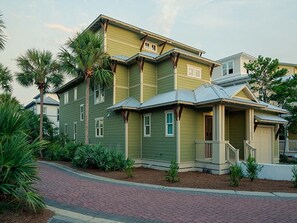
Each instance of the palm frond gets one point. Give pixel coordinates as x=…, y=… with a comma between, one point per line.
x=5, y=78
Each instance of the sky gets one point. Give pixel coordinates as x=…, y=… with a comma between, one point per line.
x=219, y=27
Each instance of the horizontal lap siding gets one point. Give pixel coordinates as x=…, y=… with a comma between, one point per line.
x=149, y=73
x=121, y=94
x=134, y=136
x=185, y=82
x=134, y=82
x=122, y=82
x=159, y=147
x=164, y=69
x=148, y=92
x=242, y=94
x=135, y=92
x=165, y=85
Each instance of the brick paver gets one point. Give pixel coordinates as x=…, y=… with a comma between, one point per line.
x=141, y=204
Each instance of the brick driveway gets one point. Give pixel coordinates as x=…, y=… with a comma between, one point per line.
x=131, y=203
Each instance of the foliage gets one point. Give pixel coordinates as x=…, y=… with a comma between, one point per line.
x=265, y=75
x=84, y=57
x=5, y=79
x=2, y=36
x=8, y=98
x=252, y=168
x=129, y=167
x=18, y=169
x=172, y=173
x=294, y=179
x=60, y=152
x=97, y=156
x=236, y=174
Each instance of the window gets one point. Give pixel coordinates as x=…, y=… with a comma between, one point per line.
x=81, y=112
x=58, y=114
x=147, y=125
x=66, y=97
x=65, y=129
x=99, y=94
x=44, y=110
x=74, y=131
x=75, y=94
x=99, y=127
x=228, y=68
x=193, y=71
x=169, y=124
x=150, y=46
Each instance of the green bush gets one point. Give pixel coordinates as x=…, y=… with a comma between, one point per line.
x=129, y=167
x=294, y=179
x=172, y=173
x=236, y=174
x=252, y=168
x=97, y=156
x=58, y=152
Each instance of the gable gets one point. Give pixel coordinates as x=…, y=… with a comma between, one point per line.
x=243, y=94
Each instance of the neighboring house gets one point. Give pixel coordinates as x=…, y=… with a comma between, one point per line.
x=50, y=107
x=163, y=107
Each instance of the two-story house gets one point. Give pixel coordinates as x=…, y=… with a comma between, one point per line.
x=163, y=107
x=50, y=107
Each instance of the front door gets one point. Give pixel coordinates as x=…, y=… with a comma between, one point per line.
x=208, y=136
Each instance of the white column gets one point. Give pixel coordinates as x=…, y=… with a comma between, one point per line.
x=218, y=156
x=287, y=148
x=249, y=121
x=175, y=77
x=177, y=118
x=141, y=86
x=114, y=88
x=126, y=139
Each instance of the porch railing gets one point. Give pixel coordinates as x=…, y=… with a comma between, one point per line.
x=292, y=145
x=232, y=154
x=249, y=150
x=204, y=150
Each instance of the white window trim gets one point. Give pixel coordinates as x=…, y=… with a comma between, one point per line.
x=75, y=94
x=194, y=69
x=99, y=119
x=66, y=96
x=81, y=112
x=150, y=125
x=74, y=131
x=150, y=46
x=227, y=67
x=166, y=124
x=95, y=89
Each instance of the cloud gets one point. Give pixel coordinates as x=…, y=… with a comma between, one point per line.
x=60, y=27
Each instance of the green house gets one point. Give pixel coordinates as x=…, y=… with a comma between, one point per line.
x=163, y=107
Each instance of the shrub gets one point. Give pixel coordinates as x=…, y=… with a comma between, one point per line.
x=172, y=173
x=56, y=151
x=129, y=167
x=236, y=175
x=252, y=168
x=294, y=179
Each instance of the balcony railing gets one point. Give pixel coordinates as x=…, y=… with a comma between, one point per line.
x=232, y=154
x=292, y=145
x=204, y=150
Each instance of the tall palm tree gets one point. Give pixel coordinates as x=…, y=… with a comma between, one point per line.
x=40, y=69
x=5, y=79
x=2, y=36
x=84, y=57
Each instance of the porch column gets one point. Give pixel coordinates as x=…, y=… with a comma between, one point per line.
x=287, y=148
x=218, y=156
x=125, y=114
x=177, y=112
x=249, y=131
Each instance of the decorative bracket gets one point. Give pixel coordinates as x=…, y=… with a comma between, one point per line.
x=104, y=24
x=114, y=65
x=211, y=69
x=143, y=41
x=125, y=114
x=140, y=62
x=255, y=126
x=277, y=132
x=174, y=59
x=163, y=46
x=178, y=110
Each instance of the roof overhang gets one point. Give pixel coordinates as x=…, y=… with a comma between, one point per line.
x=269, y=118
x=68, y=85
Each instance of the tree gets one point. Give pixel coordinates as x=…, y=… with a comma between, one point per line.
x=5, y=79
x=40, y=69
x=8, y=98
x=2, y=36
x=264, y=75
x=84, y=57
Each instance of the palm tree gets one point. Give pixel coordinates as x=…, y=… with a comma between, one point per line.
x=2, y=36
x=5, y=79
x=40, y=69
x=84, y=57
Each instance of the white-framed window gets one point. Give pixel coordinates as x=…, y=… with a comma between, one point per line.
x=99, y=127
x=169, y=123
x=228, y=68
x=147, y=125
x=193, y=71
x=74, y=131
x=99, y=94
x=58, y=114
x=66, y=129
x=81, y=112
x=150, y=46
x=66, y=97
x=44, y=110
x=75, y=94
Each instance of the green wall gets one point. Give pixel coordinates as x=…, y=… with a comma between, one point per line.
x=134, y=135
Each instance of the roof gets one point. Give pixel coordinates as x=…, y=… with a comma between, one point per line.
x=269, y=118
x=288, y=64
x=273, y=108
x=128, y=103
x=237, y=55
x=231, y=79
x=68, y=85
x=47, y=92
x=46, y=101
x=96, y=24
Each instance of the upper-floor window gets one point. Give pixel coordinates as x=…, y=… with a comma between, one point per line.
x=147, y=125
x=169, y=123
x=228, y=68
x=99, y=94
x=99, y=127
x=44, y=110
x=75, y=94
x=193, y=71
x=150, y=46
x=81, y=112
x=66, y=97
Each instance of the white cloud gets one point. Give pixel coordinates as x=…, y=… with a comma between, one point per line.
x=60, y=27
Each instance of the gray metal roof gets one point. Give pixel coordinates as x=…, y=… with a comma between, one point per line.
x=128, y=103
x=46, y=101
x=273, y=108
x=269, y=118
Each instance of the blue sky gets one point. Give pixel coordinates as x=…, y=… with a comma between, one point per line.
x=219, y=27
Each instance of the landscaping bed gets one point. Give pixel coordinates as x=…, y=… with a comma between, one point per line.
x=193, y=180
x=26, y=217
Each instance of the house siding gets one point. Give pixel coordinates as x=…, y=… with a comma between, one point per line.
x=242, y=94
x=134, y=82
x=134, y=135
x=165, y=77
x=122, y=83
x=149, y=80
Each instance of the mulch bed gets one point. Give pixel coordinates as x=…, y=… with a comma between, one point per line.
x=193, y=180
x=26, y=217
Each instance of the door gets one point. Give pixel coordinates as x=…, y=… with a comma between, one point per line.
x=208, y=136
x=263, y=144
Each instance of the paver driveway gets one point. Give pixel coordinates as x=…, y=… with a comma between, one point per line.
x=134, y=203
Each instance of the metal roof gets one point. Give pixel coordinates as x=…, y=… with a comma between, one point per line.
x=269, y=118
x=128, y=103
x=46, y=101
x=273, y=108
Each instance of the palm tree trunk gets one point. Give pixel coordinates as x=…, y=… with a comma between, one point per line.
x=87, y=111
x=41, y=90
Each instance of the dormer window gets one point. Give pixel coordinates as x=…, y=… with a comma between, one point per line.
x=150, y=46
x=228, y=68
